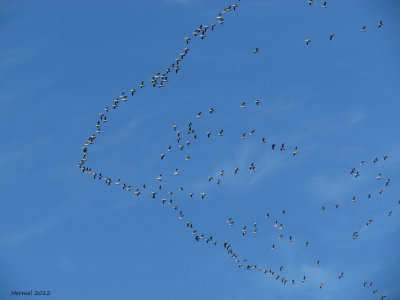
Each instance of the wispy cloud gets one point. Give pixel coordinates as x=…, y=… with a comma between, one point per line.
x=40, y=228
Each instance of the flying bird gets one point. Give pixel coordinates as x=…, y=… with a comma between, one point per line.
x=295, y=152
x=244, y=230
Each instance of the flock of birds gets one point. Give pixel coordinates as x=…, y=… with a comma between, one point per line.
x=331, y=35
x=384, y=182
x=159, y=80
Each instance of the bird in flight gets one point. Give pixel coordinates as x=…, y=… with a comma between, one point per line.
x=295, y=152
x=244, y=230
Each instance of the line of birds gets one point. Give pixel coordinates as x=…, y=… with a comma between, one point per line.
x=191, y=131
x=379, y=178
x=155, y=80
x=374, y=291
x=331, y=36
x=255, y=231
x=160, y=79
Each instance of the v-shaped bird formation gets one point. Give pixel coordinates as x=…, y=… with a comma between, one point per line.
x=188, y=136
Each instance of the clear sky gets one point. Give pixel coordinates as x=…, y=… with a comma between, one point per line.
x=63, y=62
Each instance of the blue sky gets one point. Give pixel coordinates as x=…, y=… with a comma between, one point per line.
x=62, y=62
